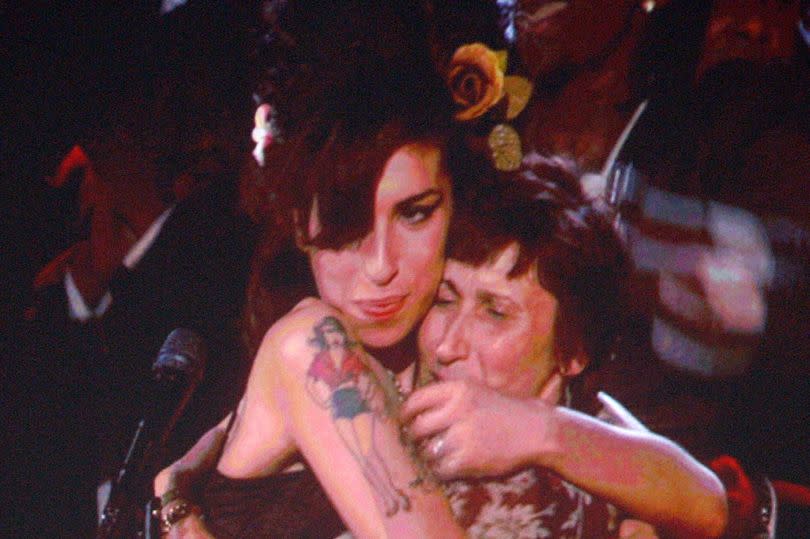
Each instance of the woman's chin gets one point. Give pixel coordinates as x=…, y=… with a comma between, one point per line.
x=383, y=336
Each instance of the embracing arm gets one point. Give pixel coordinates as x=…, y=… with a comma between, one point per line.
x=180, y=479
x=470, y=430
x=356, y=452
x=353, y=445
x=646, y=474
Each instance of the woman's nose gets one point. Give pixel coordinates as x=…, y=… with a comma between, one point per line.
x=379, y=257
x=454, y=345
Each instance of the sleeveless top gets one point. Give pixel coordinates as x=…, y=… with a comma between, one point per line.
x=529, y=504
x=285, y=505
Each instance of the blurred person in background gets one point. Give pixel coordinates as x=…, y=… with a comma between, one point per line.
x=153, y=241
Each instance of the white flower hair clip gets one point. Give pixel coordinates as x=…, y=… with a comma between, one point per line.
x=264, y=131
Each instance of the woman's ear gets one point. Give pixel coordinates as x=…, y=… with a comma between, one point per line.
x=553, y=389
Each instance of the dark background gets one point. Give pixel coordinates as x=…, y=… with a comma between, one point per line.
x=68, y=67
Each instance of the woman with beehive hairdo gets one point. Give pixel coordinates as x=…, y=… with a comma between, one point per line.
x=349, y=81
x=358, y=195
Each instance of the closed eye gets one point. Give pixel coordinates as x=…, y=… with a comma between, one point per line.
x=446, y=295
x=495, y=308
x=442, y=302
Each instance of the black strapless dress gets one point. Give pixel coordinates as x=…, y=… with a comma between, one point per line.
x=287, y=505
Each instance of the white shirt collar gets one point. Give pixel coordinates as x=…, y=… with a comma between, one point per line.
x=138, y=250
x=77, y=306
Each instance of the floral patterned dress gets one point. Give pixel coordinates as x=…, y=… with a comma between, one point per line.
x=530, y=504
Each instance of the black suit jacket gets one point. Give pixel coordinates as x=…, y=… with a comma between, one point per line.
x=80, y=389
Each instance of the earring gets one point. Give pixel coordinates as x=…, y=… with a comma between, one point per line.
x=648, y=5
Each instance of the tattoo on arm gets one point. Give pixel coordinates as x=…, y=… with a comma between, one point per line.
x=340, y=380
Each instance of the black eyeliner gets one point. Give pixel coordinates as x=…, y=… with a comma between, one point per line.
x=417, y=199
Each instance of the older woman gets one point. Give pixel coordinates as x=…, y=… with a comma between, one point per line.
x=529, y=299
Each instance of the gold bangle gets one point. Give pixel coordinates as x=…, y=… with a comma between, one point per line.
x=178, y=510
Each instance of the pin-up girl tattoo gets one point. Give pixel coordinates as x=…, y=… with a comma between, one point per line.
x=339, y=380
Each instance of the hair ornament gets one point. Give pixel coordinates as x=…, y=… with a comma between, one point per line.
x=505, y=148
x=518, y=91
x=264, y=132
x=475, y=79
x=479, y=86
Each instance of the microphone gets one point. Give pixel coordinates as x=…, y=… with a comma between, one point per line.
x=176, y=373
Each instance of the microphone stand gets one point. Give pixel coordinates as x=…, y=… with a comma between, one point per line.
x=122, y=512
x=151, y=523
x=177, y=371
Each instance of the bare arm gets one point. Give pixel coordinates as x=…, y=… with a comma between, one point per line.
x=646, y=474
x=184, y=474
x=286, y=407
x=472, y=430
x=353, y=445
x=200, y=459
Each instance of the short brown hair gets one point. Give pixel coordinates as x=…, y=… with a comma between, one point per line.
x=579, y=259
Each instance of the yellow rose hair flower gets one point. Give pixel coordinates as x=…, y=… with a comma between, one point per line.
x=475, y=79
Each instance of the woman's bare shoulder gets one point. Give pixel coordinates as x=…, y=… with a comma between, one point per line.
x=289, y=342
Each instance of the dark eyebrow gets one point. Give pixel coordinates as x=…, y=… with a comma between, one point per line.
x=487, y=297
x=420, y=197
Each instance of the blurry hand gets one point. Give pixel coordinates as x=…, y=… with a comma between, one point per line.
x=185, y=473
x=465, y=429
x=738, y=270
